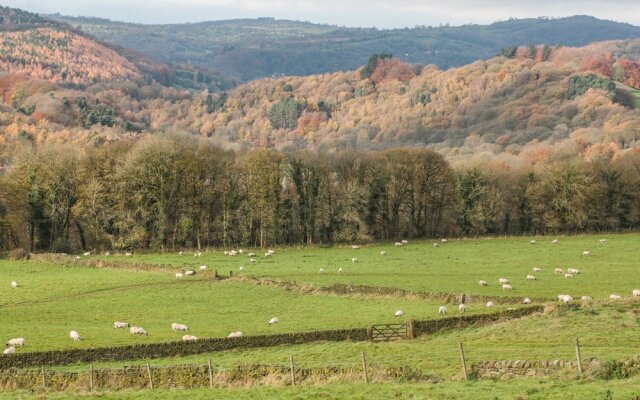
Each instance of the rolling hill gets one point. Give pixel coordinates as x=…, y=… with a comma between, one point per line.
x=248, y=49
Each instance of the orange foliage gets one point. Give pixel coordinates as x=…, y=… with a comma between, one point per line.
x=393, y=69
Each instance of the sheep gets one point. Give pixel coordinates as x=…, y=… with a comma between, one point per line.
x=586, y=253
x=136, y=330
x=340, y=270
x=354, y=260
x=536, y=269
x=442, y=310
x=483, y=283
x=565, y=298
x=199, y=254
x=554, y=241
x=398, y=313
x=526, y=300
x=241, y=251
x=9, y=350
x=532, y=242
x=268, y=254
x=14, y=284
x=586, y=298
x=180, y=253
x=603, y=241
x=443, y=240
x=252, y=260
x=568, y=276
x=128, y=254
x=226, y=252
x=88, y=253
x=635, y=292
x=572, y=271
x=503, y=281
x=251, y=255
x=397, y=244
x=189, y=338
x=235, y=334
x=405, y=242
x=75, y=336
x=383, y=253
x=120, y=325
x=615, y=297
x=203, y=267
x=241, y=268
x=490, y=304
x=462, y=308
x=189, y=272
x=77, y=257
x=507, y=287
x=107, y=253
x=436, y=245
x=233, y=253
x=179, y=327
x=274, y=320
x=179, y=275
x=321, y=270
x=272, y=252
x=558, y=271
x=531, y=278
x=355, y=247
x=15, y=342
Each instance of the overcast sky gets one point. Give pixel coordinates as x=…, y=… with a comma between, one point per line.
x=363, y=13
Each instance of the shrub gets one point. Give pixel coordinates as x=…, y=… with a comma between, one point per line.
x=18, y=254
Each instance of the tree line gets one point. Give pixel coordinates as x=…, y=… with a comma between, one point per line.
x=169, y=192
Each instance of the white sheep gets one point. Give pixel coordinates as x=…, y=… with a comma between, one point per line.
x=635, y=292
x=568, y=275
x=203, y=268
x=251, y=255
x=483, y=283
x=355, y=247
x=189, y=272
x=558, y=271
x=531, y=278
x=340, y=270
x=189, y=338
x=107, y=253
x=397, y=244
x=235, y=334
x=532, y=242
x=506, y=286
x=120, y=325
x=88, y=253
x=14, y=284
x=503, y=281
x=226, y=252
x=9, y=350
x=436, y=245
x=586, y=253
x=241, y=268
x=128, y=254
x=252, y=260
x=180, y=253
x=179, y=327
x=179, y=275
x=536, y=269
x=321, y=270
x=526, y=300
x=603, y=241
x=554, y=241
x=233, y=253
x=241, y=251
x=136, y=330
x=268, y=254
x=573, y=271
x=354, y=260
x=405, y=242
x=565, y=298
x=272, y=252
x=75, y=336
x=16, y=342
x=399, y=313
x=586, y=298
x=615, y=297
x=462, y=308
x=443, y=240
x=442, y=310
x=383, y=253
x=274, y=320
x=490, y=304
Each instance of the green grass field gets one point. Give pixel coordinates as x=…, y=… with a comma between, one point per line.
x=53, y=299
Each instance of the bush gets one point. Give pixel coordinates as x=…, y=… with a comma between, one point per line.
x=18, y=254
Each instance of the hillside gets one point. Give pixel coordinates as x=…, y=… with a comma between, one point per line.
x=248, y=49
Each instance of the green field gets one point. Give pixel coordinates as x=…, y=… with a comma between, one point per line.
x=53, y=299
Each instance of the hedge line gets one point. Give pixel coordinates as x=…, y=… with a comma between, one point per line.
x=173, y=349
x=65, y=259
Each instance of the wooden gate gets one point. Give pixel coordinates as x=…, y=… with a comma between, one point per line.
x=379, y=333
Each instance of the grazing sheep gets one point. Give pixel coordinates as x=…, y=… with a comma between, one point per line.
x=536, y=269
x=615, y=296
x=107, y=253
x=603, y=241
x=462, y=308
x=128, y=254
x=180, y=253
x=251, y=255
x=483, y=283
x=354, y=260
x=436, y=245
x=136, y=330
x=397, y=244
x=15, y=342
x=531, y=278
x=399, y=313
x=75, y=336
x=405, y=242
x=241, y=268
x=490, y=304
x=565, y=298
x=503, y=281
x=233, y=253
x=88, y=253
x=586, y=253
x=272, y=252
x=321, y=270
x=511, y=308
x=241, y=251
x=532, y=242
x=252, y=260
x=383, y=253
x=443, y=240
x=554, y=241
x=586, y=298
x=226, y=252
x=189, y=338
x=355, y=247
x=442, y=310
x=268, y=254
x=235, y=334
x=9, y=350
x=274, y=320
x=568, y=276
x=635, y=292
x=179, y=275
x=506, y=286
x=526, y=300
x=77, y=257
x=189, y=272
x=573, y=271
x=203, y=267
x=120, y=325
x=558, y=271
x=340, y=270
x=179, y=327
x=14, y=284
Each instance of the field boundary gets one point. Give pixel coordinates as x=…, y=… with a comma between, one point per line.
x=62, y=259
x=172, y=349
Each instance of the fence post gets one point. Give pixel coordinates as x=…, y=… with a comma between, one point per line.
x=410, y=330
x=149, y=374
x=230, y=274
x=210, y=373
x=90, y=377
x=464, y=362
x=44, y=379
x=579, y=358
x=370, y=332
x=293, y=371
x=364, y=368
